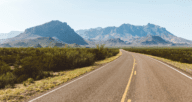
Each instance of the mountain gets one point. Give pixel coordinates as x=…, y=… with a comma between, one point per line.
x=129, y=33
x=37, y=46
x=2, y=41
x=149, y=40
x=43, y=41
x=153, y=40
x=109, y=42
x=74, y=45
x=115, y=42
x=5, y=45
x=59, y=31
x=11, y=34
x=52, y=44
x=82, y=32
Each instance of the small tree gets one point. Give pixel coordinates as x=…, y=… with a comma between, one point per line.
x=101, y=47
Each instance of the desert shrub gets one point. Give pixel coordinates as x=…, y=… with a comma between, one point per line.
x=18, y=61
x=46, y=74
x=4, y=68
x=29, y=68
x=181, y=55
x=30, y=80
x=9, y=59
x=35, y=61
x=7, y=79
x=22, y=78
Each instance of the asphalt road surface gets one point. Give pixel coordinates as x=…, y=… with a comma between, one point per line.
x=130, y=78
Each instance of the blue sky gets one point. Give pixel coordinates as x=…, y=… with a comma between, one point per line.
x=174, y=15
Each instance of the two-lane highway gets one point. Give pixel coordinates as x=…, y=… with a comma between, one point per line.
x=158, y=82
x=130, y=78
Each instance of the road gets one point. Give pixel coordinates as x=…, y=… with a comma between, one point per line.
x=130, y=78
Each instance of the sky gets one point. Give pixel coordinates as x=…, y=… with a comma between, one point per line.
x=174, y=15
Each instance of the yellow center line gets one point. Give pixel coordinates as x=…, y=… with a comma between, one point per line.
x=127, y=87
x=129, y=100
x=135, y=73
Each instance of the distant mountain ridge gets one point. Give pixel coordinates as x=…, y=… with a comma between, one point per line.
x=143, y=41
x=11, y=34
x=82, y=32
x=56, y=33
x=129, y=33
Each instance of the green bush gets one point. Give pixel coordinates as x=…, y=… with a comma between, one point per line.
x=22, y=78
x=175, y=54
x=4, y=68
x=30, y=80
x=9, y=59
x=46, y=74
x=36, y=62
x=30, y=69
x=7, y=79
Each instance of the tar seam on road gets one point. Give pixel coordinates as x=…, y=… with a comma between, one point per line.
x=71, y=81
x=127, y=88
x=173, y=69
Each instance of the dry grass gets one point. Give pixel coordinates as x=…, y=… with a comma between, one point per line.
x=183, y=66
x=21, y=91
x=109, y=59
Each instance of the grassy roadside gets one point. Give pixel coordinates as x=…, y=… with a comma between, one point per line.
x=30, y=87
x=183, y=66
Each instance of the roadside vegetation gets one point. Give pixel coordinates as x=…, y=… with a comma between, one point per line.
x=19, y=64
x=183, y=66
x=180, y=57
x=26, y=71
x=183, y=55
x=32, y=86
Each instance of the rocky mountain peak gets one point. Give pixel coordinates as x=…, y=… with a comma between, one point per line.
x=150, y=25
x=48, y=27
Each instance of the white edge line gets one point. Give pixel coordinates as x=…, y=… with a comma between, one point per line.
x=173, y=69
x=71, y=82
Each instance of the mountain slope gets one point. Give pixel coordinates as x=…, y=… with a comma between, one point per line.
x=114, y=42
x=43, y=41
x=57, y=29
x=153, y=40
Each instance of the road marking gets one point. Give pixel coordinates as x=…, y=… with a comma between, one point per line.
x=170, y=67
x=173, y=69
x=127, y=88
x=129, y=100
x=135, y=73
x=73, y=81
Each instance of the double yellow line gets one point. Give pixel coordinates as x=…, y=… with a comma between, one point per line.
x=127, y=87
